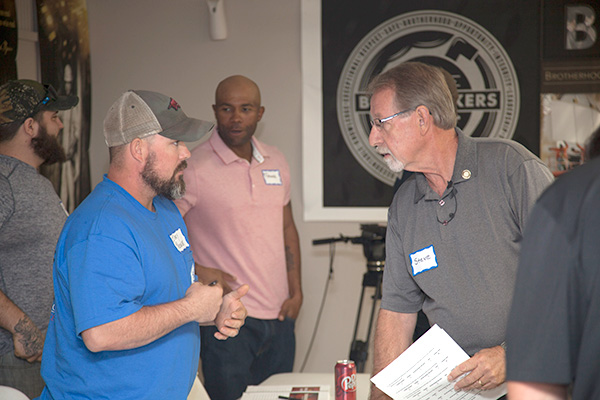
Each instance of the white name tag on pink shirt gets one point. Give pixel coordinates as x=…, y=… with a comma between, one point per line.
x=272, y=176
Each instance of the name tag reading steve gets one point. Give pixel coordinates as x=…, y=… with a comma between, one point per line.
x=423, y=260
x=272, y=176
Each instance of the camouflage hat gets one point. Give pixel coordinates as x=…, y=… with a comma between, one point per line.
x=23, y=98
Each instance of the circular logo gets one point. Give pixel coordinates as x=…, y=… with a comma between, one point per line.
x=488, y=103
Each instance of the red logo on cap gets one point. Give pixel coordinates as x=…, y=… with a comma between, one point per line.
x=173, y=104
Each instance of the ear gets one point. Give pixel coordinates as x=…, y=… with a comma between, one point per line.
x=138, y=149
x=424, y=118
x=261, y=110
x=29, y=126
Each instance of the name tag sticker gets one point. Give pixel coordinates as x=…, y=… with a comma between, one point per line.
x=193, y=275
x=179, y=240
x=272, y=176
x=423, y=260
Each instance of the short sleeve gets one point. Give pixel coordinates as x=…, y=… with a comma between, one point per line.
x=400, y=293
x=527, y=183
x=7, y=201
x=106, y=281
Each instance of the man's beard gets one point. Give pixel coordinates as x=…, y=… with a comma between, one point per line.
x=47, y=147
x=392, y=162
x=173, y=188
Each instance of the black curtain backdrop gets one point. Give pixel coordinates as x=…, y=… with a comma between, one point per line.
x=65, y=64
x=8, y=41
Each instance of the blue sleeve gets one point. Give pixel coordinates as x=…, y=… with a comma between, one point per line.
x=106, y=281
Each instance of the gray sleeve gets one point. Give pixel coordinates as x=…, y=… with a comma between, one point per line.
x=7, y=201
x=400, y=293
x=527, y=183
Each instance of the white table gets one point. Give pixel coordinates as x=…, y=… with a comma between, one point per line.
x=363, y=384
x=8, y=393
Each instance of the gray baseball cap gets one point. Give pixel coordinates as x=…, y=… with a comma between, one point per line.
x=142, y=113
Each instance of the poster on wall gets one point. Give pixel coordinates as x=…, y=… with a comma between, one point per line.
x=490, y=48
x=570, y=81
x=8, y=41
x=65, y=64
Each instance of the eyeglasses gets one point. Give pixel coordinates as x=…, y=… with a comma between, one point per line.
x=378, y=122
x=51, y=95
x=442, y=202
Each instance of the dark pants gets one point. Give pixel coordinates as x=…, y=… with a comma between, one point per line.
x=20, y=374
x=261, y=349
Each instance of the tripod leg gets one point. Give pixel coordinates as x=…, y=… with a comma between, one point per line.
x=361, y=348
x=362, y=295
x=357, y=348
x=376, y=297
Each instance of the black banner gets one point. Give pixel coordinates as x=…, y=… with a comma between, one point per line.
x=65, y=64
x=570, y=46
x=8, y=41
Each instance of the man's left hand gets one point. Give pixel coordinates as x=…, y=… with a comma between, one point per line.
x=485, y=370
x=290, y=308
x=232, y=314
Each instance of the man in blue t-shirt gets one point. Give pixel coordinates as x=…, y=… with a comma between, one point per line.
x=127, y=302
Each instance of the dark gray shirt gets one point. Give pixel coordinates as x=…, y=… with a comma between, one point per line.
x=554, y=329
x=31, y=218
x=462, y=273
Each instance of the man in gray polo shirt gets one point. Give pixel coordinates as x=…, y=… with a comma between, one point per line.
x=454, y=229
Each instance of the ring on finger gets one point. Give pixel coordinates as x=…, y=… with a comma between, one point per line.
x=480, y=383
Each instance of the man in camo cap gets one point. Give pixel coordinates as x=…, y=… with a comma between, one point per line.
x=31, y=217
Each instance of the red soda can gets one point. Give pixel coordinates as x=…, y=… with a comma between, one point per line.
x=345, y=380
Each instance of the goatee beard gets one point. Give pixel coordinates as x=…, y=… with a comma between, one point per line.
x=47, y=147
x=173, y=188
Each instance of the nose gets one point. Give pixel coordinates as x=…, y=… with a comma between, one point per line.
x=236, y=115
x=184, y=152
x=60, y=123
x=374, y=136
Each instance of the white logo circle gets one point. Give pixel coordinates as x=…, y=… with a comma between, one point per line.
x=489, y=99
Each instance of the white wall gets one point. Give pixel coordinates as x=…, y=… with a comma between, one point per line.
x=165, y=46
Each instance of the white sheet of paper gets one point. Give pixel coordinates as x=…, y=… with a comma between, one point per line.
x=421, y=371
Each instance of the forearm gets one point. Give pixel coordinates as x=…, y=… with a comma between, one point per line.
x=292, y=261
x=138, y=329
x=292, y=254
x=28, y=341
x=536, y=391
x=393, y=335
x=207, y=275
x=10, y=313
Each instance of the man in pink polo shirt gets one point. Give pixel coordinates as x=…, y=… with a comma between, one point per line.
x=239, y=217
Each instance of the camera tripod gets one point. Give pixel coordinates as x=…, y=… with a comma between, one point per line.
x=373, y=242
x=359, y=350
